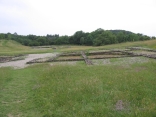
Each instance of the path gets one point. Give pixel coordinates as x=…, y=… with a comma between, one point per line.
x=22, y=63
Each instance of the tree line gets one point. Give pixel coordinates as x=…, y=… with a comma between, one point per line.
x=96, y=38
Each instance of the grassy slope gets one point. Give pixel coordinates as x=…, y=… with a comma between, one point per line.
x=9, y=47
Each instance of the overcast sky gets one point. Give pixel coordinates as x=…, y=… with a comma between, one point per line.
x=65, y=17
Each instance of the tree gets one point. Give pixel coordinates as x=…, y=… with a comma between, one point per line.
x=62, y=40
x=89, y=40
x=120, y=37
x=97, y=37
x=82, y=40
x=105, y=38
x=97, y=42
x=8, y=35
x=15, y=34
x=2, y=36
x=42, y=41
x=153, y=37
x=77, y=36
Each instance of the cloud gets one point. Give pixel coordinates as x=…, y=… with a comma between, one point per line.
x=67, y=16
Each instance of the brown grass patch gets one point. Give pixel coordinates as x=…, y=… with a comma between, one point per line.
x=122, y=106
x=69, y=57
x=138, y=69
x=104, y=56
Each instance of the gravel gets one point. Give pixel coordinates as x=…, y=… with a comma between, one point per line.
x=22, y=63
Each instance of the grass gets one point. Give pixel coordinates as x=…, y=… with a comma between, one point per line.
x=147, y=44
x=80, y=91
x=10, y=47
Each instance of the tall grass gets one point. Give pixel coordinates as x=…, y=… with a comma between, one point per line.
x=79, y=90
x=94, y=91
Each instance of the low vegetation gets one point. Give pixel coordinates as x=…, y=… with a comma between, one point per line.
x=9, y=47
x=12, y=48
x=79, y=90
x=114, y=87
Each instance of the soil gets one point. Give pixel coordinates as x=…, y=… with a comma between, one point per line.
x=22, y=63
x=122, y=106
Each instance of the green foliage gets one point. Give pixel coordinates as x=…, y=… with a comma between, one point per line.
x=96, y=38
x=82, y=40
x=77, y=36
x=106, y=38
x=62, y=40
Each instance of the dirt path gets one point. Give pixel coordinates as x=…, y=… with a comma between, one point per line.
x=22, y=63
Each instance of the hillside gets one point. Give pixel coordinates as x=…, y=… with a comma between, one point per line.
x=9, y=46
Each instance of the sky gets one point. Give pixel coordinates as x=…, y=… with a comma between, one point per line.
x=65, y=17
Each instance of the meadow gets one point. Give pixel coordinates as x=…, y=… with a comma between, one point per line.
x=123, y=88
x=11, y=48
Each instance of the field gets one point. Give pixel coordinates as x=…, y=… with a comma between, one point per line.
x=110, y=87
x=9, y=47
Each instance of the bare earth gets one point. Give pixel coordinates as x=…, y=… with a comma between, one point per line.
x=22, y=63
